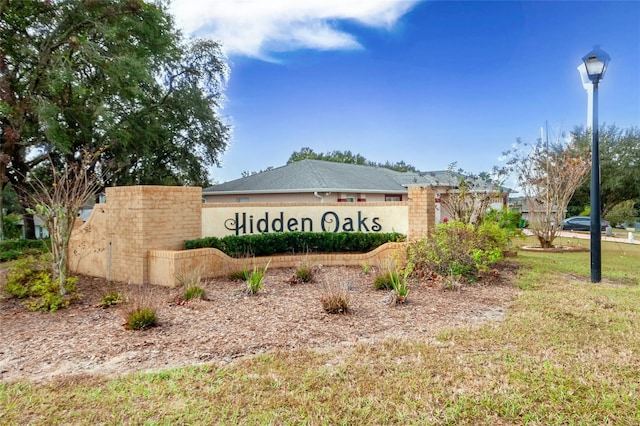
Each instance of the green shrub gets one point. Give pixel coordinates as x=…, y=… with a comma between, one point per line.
x=11, y=226
x=269, y=244
x=19, y=276
x=194, y=292
x=29, y=278
x=507, y=219
x=45, y=293
x=110, y=299
x=458, y=250
x=14, y=249
x=385, y=281
x=141, y=319
x=10, y=255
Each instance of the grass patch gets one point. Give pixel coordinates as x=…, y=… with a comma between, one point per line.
x=619, y=260
x=568, y=352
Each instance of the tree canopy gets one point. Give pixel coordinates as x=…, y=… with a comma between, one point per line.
x=347, y=157
x=113, y=77
x=619, y=168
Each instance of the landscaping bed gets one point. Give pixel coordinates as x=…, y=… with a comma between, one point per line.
x=86, y=339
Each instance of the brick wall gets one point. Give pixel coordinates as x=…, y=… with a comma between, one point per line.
x=167, y=267
x=137, y=236
x=115, y=241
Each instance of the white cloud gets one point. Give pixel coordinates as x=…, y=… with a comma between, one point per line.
x=257, y=28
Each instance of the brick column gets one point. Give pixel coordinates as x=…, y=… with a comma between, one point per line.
x=114, y=243
x=422, y=211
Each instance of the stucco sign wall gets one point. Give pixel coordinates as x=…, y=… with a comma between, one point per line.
x=220, y=220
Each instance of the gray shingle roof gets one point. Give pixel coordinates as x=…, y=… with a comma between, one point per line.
x=315, y=175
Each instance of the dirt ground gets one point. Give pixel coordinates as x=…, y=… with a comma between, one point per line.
x=86, y=339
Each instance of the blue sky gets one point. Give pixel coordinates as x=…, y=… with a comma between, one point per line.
x=425, y=82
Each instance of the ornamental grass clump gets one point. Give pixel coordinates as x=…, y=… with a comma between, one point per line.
x=141, y=319
x=191, y=282
x=242, y=275
x=139, y=310
x=255, y=280
x=304, y=273
x=385, y=281
x=194, y=293
x=400, y=289
x=336, y=299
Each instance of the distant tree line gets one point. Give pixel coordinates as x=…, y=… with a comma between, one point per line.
x=619, y=171
x=339, y=157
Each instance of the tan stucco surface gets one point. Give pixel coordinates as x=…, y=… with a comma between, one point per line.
x=220, y=220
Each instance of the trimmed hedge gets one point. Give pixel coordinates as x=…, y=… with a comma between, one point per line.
x=14, y=249
x=269, y=244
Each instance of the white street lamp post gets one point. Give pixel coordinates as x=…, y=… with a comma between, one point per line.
x=593, y=68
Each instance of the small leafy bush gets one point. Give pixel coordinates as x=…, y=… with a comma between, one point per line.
x=29, y=278
x=110, y=299
x=458, y=250
x=255, y=280
x=508, y=220
x=194, y=292
x=191, y=282
x=366, y=268
x=385, y=281
x=45, y=293
x=335, y=299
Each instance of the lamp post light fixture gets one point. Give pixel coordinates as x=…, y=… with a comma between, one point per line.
x=594, y=64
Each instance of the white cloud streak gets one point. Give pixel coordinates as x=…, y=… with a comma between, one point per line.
x=258, y=28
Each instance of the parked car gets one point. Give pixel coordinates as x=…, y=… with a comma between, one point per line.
x=581, y=223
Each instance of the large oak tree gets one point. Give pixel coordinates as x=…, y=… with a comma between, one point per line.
x=113, y=77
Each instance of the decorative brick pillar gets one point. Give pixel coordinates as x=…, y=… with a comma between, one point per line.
x=422, y=212
x=114, y=243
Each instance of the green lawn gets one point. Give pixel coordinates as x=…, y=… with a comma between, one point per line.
x=567, y=353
